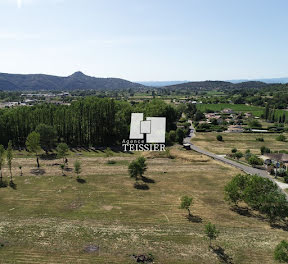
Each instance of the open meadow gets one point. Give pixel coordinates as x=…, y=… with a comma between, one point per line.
x=50, y=218
x=241, y=141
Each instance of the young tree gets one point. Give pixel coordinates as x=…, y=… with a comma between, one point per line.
x=21, y=172
x=2, y=153
x=48, y=136
x=9, y=159
x=211, y=232
x=62, y=167
x=133, y=169
x=186, y=203
x=281, y=252
x=62, y=151
x=77, y=168
x=142, y=166
x=33, y=145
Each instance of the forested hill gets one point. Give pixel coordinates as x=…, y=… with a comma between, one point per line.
x=76, y=81
x=217, y=85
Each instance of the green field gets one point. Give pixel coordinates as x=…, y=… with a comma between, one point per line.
x=255, y=110
x=51, y=218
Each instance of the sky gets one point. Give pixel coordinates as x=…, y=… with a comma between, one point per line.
x=146, y=40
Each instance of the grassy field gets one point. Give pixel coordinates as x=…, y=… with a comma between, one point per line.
x=241, y=141
x=255, y=110
x=51, y=218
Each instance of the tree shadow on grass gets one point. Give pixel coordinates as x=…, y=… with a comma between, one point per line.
x=147, y=180
x=68, y=169
x=141, y=186
x=13, y=185
x=222, y=256
x=245, y=211
x=38, y=171
x=283, y=226
x=3, y=184
x=82, y=181
x=194, y=218
x=50, y=156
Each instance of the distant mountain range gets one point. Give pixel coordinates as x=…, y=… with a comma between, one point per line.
x=80, y=81
x=76, y=81
x=162, y=83
x=215, y=85
x=169, y=83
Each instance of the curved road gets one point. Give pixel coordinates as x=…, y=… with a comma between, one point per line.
x=246, y=169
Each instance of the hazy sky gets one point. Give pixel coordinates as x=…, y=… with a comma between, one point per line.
x=146, y=39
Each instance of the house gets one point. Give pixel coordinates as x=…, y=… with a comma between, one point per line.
x=227, y=111
x=280, y=159
x=235, y=129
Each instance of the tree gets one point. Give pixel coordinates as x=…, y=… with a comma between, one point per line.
x=219, y=138
x=62, y=151
x=186, y=203
x=238, y=155
x=21, y=172
x=137, y=167
x=48, y=136
x=211, y=232
x=234, y=190
x=77, y=168
x=62, y=167
x=264, y=150
x=9, y=159
x=33, y=144
x=2, y=153
x=254, y=161
x=281, y=252
x=180, y=134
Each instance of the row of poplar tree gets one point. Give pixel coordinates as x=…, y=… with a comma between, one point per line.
x=90, y=121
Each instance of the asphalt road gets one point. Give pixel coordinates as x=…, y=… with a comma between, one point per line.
x=246, y=169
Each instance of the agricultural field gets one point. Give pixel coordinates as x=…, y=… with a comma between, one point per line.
x=241, y=141
x=255, y=110
x=51, y=218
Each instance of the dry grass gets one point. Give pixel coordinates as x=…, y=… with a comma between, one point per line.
x=50, y=218
x=241, y=141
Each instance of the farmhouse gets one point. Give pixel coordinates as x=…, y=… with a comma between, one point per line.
x=275, y=158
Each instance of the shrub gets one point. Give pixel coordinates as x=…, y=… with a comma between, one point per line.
x=265, y=150
x=234, y=150
x=219, y=138
x=254, y=160
x=260, y=139
x=281, y=138
x=281, y=252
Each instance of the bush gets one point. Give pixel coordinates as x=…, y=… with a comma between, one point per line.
x=254, y=161
x=265, y=150
x=281, y=252
x=286, y=179
x=281, y=138
x=111, y=162
x=234, y=150
x=281, y=172
x=260, y=139
x=219, y=138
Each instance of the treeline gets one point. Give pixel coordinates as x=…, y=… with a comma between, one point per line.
x=271, y=115
x=91, y=121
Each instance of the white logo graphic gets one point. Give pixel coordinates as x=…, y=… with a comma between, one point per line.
x=153, y=127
